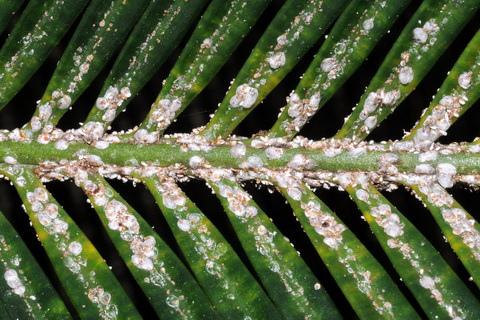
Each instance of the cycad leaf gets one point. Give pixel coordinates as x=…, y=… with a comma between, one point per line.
x=457, y=225
x=229, y=289
x=296, y=28
x=90, y=285
x=220, y=130
x=434, y=122
x=103, y=28
x=287, y=279
x=352, y=38
x=435, y=286
x=459, y=91
x=428, y=34
x=158, y=32
x=219, y=32
x=367, y=301
x=40, y=28
x=26, y=293
x=171, y=289
x=232, y=289
x=365, y=283
x=396, y=80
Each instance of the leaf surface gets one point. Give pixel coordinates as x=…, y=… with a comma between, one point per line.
x=39, y=29
x=26, y=292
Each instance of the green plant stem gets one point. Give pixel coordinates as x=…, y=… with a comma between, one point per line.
x=219, y=156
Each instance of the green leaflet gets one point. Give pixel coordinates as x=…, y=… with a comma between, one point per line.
x=39, y=29
x=459, y=91
x=367, y=297
x=7, y=10
x=287, y=279
x=102, y=30
x=356, y=32
x=458, y=226
x=153, y=39
x=170, y=287
x=162, y=110
x=427, y=35
x=227, y=132
x=427, y=41
x=435, y=286
x=186, y=301
x=364, y=282
x=26, y=293
x=90, y=285
x=295, y=29
x=232, y=289
x=217, y=35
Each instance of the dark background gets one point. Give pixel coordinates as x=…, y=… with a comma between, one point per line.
x=324, y=124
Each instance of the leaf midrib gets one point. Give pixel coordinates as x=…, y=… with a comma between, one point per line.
x=303, y=155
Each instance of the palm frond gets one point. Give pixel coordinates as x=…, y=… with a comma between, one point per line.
x=244, y=268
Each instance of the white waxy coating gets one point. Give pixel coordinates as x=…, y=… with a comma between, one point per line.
x=419, y=35
x=445, y=174
x=277, y=60
x=75, y=248
x=238, y=150
x=273, y=153
x=328, y=64
x=465, y=80
x=368, y=24
x=371, y=122
x=324, y=224
x=405, y=75
x=427, y=282
x=245, y=96
x=10, y=160
x=390, y=222
x=196, y=161
x=14, y=282
x=362, y=195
